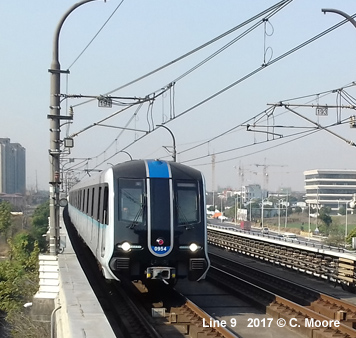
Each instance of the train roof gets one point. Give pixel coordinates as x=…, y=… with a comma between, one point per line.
x=155, y=169
x=143, y=169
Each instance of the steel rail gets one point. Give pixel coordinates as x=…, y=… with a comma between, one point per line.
x=275, y=305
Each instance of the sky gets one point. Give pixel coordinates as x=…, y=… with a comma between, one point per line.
x=207, y=109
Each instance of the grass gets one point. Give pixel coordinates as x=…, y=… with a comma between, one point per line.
x=295, y=222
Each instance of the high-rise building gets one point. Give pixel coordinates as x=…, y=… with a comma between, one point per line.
x=12, y=167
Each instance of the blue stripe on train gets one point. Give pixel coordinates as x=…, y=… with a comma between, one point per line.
x=157, y=169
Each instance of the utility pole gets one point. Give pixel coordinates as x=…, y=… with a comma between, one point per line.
x=55, y=138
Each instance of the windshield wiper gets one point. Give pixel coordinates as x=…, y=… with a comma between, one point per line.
x=182, y=216
x=135, y=220
x=139, y=214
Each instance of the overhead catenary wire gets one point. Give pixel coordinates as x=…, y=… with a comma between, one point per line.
x=229, y=44
x=274, y=10
x=257, y=70
x=316, y=126
x=239, y=148
x=223, y=133
x=148, y=99
x=257, y=118
x=95, y=36
x=260, y=68
x=217, y=38
x=304, y=134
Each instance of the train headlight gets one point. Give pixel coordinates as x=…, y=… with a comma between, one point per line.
x=126, y=246
x=193, y=247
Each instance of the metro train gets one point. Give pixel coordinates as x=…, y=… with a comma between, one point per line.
x=144, y=220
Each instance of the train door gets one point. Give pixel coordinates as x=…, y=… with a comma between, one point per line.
x=91, y=219
x=98, y=219
x=104, y=217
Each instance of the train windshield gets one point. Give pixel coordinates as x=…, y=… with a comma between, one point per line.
x=160, y=204
x=187, y=203
x=131, y=196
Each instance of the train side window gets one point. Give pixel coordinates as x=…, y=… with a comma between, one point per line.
x=106, y=205
x=83, y=201
x=87, y=206
x=131, y=203
x=187, y=201
x=98, y=218
x=92, y=202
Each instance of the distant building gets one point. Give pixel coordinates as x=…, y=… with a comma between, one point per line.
x=252, y=191
x=329, y=188
x=12, y=167
x=17, y=200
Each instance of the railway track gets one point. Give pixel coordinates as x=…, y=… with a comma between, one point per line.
x=336, y=267
x=281, y=286
x=311, y=313
x=124, y=315
x=178, y=311
x=129, y=308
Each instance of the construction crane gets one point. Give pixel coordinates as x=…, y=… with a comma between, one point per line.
x=265, y=173
x=241, y=173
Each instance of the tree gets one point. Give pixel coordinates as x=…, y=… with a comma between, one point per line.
x=255, y=209
x=230, y=213
x=40, y=225
x=350, y=235
x=18, y=274
x=5, y=217
x=342, y=210
x=230, y=201
x=336, y=236
x=40, y=216
x=298, y=210
x=18, y=283
x=324, y=216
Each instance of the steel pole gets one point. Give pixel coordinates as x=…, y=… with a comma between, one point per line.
x=309, y=222
x=346, y=223
x=55, y=140
x=345, y=15
x=174, y=155
x=286, y=220
x=279, y=216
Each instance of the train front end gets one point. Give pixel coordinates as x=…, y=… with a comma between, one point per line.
x=160, y=228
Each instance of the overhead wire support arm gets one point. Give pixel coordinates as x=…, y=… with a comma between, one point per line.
x=310, y=105
x=106, y=101
x=317, y=124
x=123, y=128
x=248, y=128
x=97, y=123
x=80, y=96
